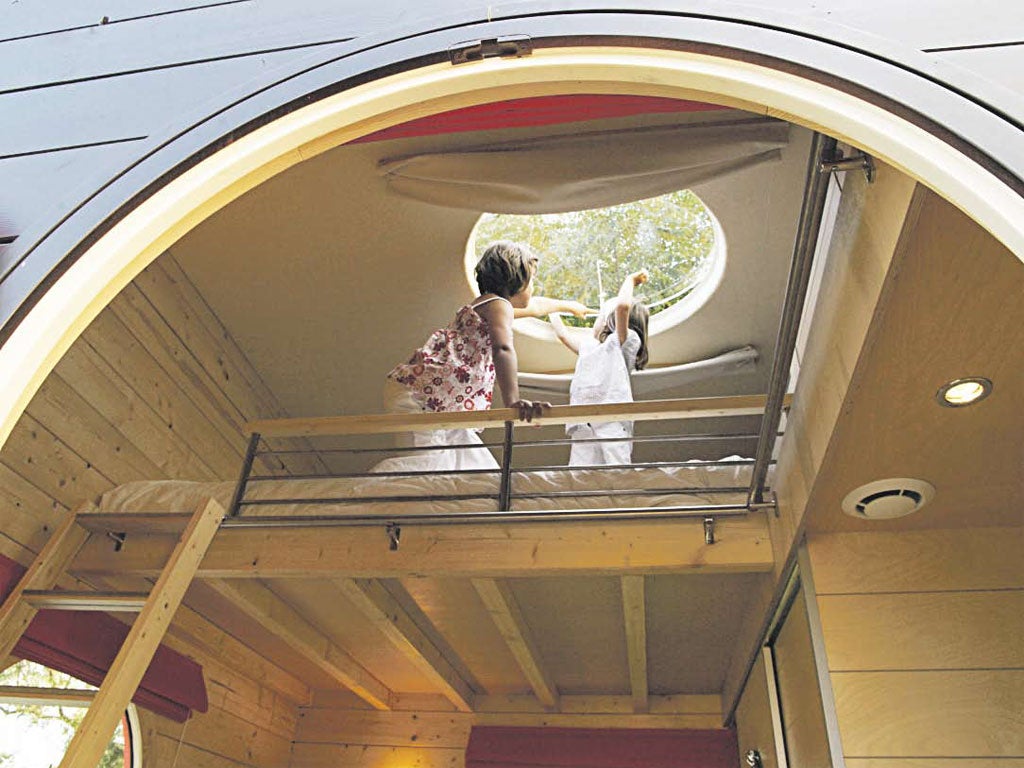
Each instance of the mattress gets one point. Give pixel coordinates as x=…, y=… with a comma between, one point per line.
x=535, y=490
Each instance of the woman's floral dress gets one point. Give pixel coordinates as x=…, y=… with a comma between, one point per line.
x=454, y=369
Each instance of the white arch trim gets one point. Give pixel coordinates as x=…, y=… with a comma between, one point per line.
x=75, y=299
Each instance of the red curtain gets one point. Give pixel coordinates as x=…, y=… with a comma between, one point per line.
x=509, y=747
x=537, y=110
x=84, y=644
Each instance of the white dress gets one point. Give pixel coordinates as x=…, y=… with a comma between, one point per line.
x=602, y=376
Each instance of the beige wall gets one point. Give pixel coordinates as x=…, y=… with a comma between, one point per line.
x=923, y=635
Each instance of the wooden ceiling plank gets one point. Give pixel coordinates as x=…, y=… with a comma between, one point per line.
x=385, y=612
x=634, y=613
x=278, y=617
x=742, y=545
x=504, y=610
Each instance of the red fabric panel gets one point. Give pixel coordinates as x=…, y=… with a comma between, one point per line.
x=84, y=644
x=536, y=110
x=508, y=747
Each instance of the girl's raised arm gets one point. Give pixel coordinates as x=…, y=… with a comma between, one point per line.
x=625, y=301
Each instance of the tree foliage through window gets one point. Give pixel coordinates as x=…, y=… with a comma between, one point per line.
x=586, y=254
x=44, y=732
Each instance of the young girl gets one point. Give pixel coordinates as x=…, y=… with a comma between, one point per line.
x=617, y=347
x=457, y=367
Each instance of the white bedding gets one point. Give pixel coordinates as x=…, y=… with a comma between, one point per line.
x=184, y=496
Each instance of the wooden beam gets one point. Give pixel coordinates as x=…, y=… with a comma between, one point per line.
x=277, y=616
x=679, y=704
x=742, y=545
x=387, y=614
x=505, y=611
x=643, y=410
x=635, y=613
x=53, y=560
x=131, y=662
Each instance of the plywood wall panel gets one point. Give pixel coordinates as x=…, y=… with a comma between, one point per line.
x=944, y=630
x=922, y=636
x=918, y=561
x=947, y=714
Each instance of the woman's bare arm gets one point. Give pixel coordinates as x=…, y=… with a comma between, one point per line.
x=499, y=316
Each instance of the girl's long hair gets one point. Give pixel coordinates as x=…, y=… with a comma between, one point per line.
x=639, y=315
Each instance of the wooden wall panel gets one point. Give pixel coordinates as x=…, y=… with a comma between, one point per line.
x=918, y=561
x=922, y=632
x=155, y=389
x=931, y=630
x=331, y=734
x=931, y=713
x=361, y=756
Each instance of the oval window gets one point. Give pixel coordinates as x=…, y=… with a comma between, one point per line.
x=585, y=255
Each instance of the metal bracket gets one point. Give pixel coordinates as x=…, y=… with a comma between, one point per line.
x=859, y=161
x=394, y=532
x=709, y=530
x=119, y=539
x=495, y=47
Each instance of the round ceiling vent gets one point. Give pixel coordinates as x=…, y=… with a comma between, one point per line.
x=888, y=499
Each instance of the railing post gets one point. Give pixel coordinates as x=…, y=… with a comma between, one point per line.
x=243, y=478
x=505, y=489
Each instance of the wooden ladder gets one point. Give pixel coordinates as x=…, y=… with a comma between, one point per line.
x=35, y=591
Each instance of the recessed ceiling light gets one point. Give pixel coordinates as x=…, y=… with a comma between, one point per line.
x=960, y=392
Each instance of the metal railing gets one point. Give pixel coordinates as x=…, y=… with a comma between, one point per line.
x=504, y=495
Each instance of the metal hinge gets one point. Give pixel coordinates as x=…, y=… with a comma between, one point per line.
x=859, y=161
x=478, y=50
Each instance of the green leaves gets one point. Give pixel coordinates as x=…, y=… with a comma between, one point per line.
x=585, y=255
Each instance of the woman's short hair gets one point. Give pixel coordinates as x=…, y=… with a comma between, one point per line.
x=505, y=268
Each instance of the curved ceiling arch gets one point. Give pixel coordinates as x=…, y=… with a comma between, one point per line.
x=106, y=242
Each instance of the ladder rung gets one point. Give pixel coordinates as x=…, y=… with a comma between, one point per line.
x=136, y=522
x=58, y=600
